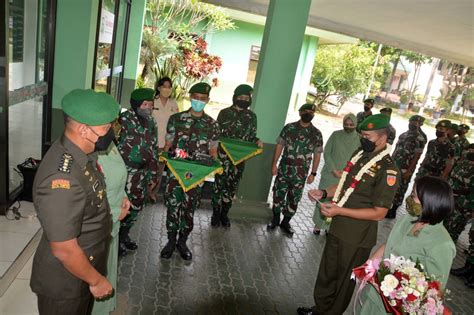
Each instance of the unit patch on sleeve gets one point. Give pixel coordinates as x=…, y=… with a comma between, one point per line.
x=60, y=184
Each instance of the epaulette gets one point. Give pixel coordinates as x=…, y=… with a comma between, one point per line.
x=66, y=163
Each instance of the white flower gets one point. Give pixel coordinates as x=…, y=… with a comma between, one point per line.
x=388, y=284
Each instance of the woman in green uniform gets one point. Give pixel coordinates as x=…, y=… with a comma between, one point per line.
x=419, y=235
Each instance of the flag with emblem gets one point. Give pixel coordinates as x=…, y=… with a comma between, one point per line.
x=190, y=173
x=239, y=150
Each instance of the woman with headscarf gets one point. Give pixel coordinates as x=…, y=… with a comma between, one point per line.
x=338, y=150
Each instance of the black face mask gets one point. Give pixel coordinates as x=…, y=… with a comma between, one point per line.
x=412, y=127
x=366, y=108
x=367, y=145
x=440, y=134
x=242, y=103
x=307, y=117
x=104, y=141
x=470, y=156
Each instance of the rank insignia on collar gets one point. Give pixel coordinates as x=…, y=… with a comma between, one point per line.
x=60, y=184
x=66, y=163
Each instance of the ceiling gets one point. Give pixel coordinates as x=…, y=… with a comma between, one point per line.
x=438, y=28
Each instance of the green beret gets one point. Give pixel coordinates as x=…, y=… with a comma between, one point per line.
x=455, y=127
x=201, y=88
x=444, y=123
x=307, y=106
x=369, y=101
x=417, y=118
x=464, y=127
x=142, y=94
x=374, y=122
x=90, y=107
x=243, y=89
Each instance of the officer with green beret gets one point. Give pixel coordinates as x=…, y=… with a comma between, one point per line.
x=440, y=154
x=392, y=133
x=69, y=265
x=362, y=197
x=138, y=145
x=300, y=142
x=235, y=122
x=368, y=105
x=410, y=146
x=196, y=133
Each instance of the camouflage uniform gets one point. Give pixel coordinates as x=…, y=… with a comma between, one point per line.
x=299, y=144
x=409, y=144
x=436, y=158
x=457, y=148
x=361, y=116
x=194, y=135
x=235, y=124
x=461, y=181
x=138, y=146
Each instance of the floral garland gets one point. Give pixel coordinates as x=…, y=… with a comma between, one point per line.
x=340, y=202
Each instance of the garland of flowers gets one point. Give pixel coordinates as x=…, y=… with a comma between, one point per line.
x=356, y=179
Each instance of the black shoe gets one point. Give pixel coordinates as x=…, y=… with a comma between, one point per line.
x=122, y=251
x=463, y=271
x=274, y=223
x=125, y=239
x=225, y=220
x=305, y=311
x=215, y=218
x=286, y=227
x=168, y=250
x=183, y=248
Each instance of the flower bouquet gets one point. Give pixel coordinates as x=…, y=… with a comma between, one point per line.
x=403, y=285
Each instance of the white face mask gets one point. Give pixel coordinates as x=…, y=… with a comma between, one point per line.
x=165, y=92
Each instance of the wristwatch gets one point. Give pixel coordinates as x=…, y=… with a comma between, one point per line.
x=313, y=173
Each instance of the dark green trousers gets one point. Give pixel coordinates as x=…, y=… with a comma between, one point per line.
x=334, y=287
x=80, y=306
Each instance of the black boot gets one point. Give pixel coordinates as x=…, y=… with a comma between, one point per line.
x=224, y=218
x=463, y=271
x=275, y=221
x=392, y=213
x=125, y=239
x=122, y=251
x=286, y=227
x=182, y=248
x=168, y=250
x=215, y=219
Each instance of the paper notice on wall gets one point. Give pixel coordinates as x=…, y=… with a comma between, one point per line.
x=106, y=31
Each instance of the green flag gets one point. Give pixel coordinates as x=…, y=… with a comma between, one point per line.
x=190, y=173
x=239, y=150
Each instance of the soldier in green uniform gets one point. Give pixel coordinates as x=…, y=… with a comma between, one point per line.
x=69, y=195
x=462, y=132
x=461, y=181
x=407, y=152
x=196, y=133
x=368, y=104
x=362, y=197
x=453, y=138
x=392, y=133
x=439, y=158
x=236, y=122
x=300, y=142
x=138, y=145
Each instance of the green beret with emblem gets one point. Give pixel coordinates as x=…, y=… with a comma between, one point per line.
x=369, y=101
x=201, y=88
x=243, y=89
x=464, y=127
x=444, y=123
x=455, y=127
x=374, y=122
x=142, y=94
x=307, y=106
x=90, y=107
x=417, y=118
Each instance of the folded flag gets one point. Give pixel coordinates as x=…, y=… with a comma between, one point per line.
x=190, y=173
x=239, y=150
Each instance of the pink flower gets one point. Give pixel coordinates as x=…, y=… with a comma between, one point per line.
x=431, y=306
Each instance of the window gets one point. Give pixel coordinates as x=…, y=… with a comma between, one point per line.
x=253, y=63
x=16, y=26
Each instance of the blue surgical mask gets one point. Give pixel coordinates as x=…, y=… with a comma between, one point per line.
x=197, y=105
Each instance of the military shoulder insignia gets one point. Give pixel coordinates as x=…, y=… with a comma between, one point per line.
x=66, y=163
x=391, y=180
x=60, y=184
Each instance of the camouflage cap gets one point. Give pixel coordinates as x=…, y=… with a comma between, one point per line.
x=201, y=88
x=243, y=89
x=444, y=123
x=142, y=94
x=417, y=118
x=90, y=107
x=307, y=106
x=464, y=127
x=369, y=101
x=454, y=127
x=374, y=122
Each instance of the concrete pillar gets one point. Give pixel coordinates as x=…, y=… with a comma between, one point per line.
x=280, y=52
